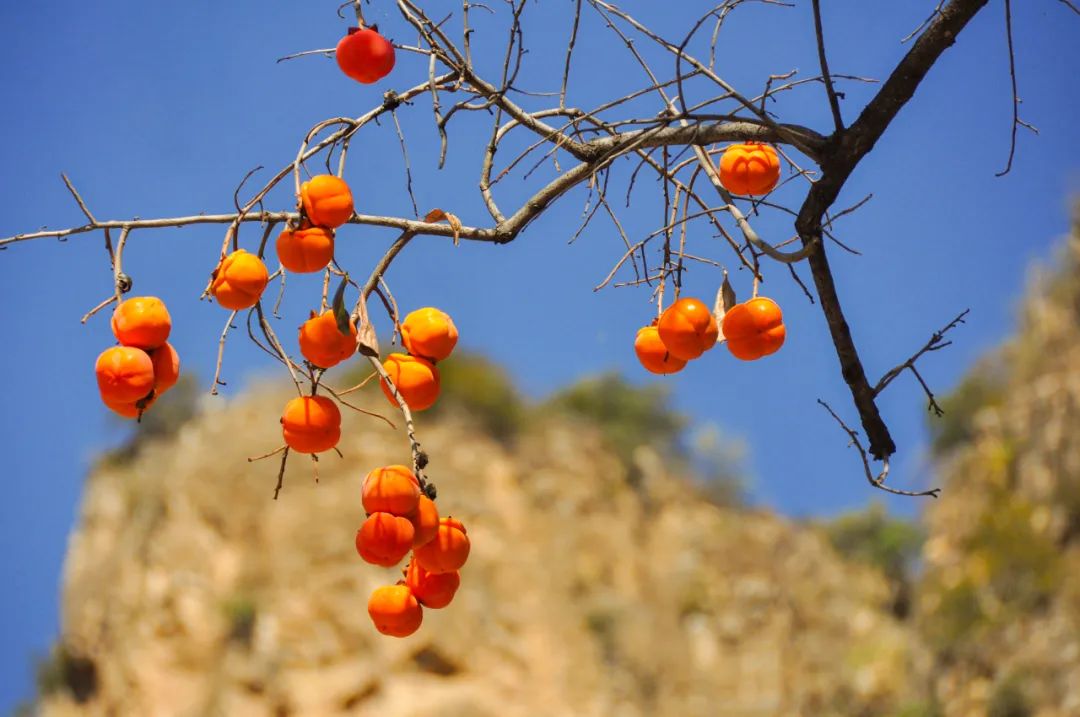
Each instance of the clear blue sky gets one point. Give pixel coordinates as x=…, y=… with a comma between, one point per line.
x=156, y=112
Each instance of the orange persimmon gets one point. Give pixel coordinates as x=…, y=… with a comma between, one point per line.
x=749, y=168
x=391, y=489
x=395, y=610
x=434, y=590
x=425, y=520
x=327, y=200
x=311, y=424
x=688, y=329
x=384, y=539
x=134, y=409
x=754, y=329
x=125, y=374
x=166, y=367
x=323, y=344
x=447, y=551
x=429, y=333
x=306, y=249
x=142, y=322
x=365, y=55
x=239, y=280
x=416, y=379
x=653, y=354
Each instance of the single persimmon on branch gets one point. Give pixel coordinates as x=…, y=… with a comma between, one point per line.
x=551, y=140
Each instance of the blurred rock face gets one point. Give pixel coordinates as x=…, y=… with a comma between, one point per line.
x=594, y=587
x=192, y=592
x=1000, y=600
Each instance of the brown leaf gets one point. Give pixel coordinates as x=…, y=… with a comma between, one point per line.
x=366, y=340
x=438, y=215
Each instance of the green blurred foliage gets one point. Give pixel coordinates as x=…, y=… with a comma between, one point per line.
x=629, y=416
x=891, y=545
x=873, y=537
x=63, y=671
x=482, y=390
x=983, y=387
x=918, y=709
x=241, y=613
x=1009, y=700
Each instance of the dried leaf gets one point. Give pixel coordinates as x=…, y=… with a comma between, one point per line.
x=438, y=215
x=728, y=293
x=366, y=339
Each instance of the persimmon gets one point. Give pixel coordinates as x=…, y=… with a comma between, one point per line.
x=166, y=367
x=365, y=55
x=653, y=354
x=447, y=551
x=134, y=409
x=305, y=249
x=425, y=520
x=688, y=329
x=391, y=489
x=328, y=201
x=125, y=374
x=434, y=590
x=749, y=168
x=239, y=280
x=142, y=322
x=395, y=610
x=429, y=333
x=384, y=539
x=416, y=379
x=323, y=344
x=311, y=424
x=754, y=329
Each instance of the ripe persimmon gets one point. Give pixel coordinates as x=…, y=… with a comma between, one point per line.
x=125, y=374
x=166, y=367
x=429, y=333
x=395, y=610
x=688, y=329
x=142, y=322
x=327, y=200
x=323, y=344
x=749, y=168
x=425, y=520
x=653, y=354
x=416, y=379
x=306, y=249
x=754, y=328
x=239, y=280
x=311, y=424
x=384, y=539
x=434, y=590
x=134, y=409
x=391, y=489
x=365, y=55
x=447, y=551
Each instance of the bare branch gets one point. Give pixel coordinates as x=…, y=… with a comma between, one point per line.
x=878, y=480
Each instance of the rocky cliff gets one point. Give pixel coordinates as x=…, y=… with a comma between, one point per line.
x=601, y=582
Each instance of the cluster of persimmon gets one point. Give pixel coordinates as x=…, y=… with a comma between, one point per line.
x=400, y=518
x=429, y=336
x=132, y=375
x=687, y=329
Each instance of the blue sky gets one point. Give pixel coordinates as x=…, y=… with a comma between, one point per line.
x=156, y=113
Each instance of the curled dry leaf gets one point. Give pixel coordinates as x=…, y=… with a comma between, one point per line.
x=438, y=215
x=366, y=339
x=725, y=299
